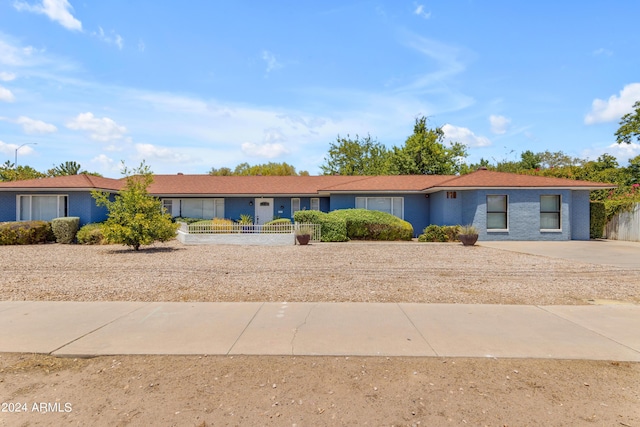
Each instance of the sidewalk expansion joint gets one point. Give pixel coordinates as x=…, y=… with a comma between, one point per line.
x=635, y=350
x=98, y=328
x=418, y=330
x=245, y=329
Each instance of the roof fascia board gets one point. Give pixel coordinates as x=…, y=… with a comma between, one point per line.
x=504, y=187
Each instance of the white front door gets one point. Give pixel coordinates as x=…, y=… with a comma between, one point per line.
x=264, y=210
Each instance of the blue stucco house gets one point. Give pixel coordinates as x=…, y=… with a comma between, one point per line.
x=502, y=206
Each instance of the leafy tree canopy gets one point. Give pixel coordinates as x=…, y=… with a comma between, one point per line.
x=629, y=126
x=8, y=172
x=135, y=217
x=425, y=153
x=359, y=156
x=266, y=169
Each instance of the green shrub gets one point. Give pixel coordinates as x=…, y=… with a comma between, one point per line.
x=90, y=234
x=278, y=221
x=366, y=224
x=277, y=225
x=332, y=229
x=440, y=233
x=25, y=233
x=65, y=228
x=186, y=220
x=598, y=219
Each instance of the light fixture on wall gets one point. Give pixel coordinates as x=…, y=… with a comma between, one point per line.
x=281, y=206
x=251, y=203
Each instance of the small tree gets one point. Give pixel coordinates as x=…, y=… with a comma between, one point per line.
x=135, y=217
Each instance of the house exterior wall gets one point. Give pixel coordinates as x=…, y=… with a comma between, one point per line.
x=416, y=207
x=523, y=214
x=580, y=215
x=446, y=211
x=79, y=203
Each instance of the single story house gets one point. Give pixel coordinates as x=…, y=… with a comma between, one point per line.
x=503, y=206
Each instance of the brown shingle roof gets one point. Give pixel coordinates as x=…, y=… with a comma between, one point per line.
x=490, y=179
x=164, y=185
x=79, y=182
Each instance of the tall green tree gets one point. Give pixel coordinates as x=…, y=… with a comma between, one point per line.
x=425, y=153
x=359, y=156
x=135, y=217
x=8, y=172
x=629, y=126
x=66, y=168
x=265, y=169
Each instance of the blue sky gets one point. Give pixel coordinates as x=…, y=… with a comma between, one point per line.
x=191, y=86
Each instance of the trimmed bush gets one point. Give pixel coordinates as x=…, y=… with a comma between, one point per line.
x=598, y=219
x=65, y=228
x=277, y=225
x=333, y=229
x=363, y=224
x=25, y=233
x=440, y=233
x=90, y=234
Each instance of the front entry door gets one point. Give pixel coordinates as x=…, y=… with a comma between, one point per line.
x=264, y=210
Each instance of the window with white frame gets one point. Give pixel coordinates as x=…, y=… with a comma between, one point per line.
x=202, y=208
x=497, y=212
x=167, y=206
x=550, y=212
x=295, y=205
x=41, y=207
x=315, y=204
x=392, y=205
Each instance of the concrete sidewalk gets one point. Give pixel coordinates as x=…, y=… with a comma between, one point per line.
x=603, y=252
x=608, y=332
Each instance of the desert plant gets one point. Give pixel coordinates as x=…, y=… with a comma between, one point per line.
x=221, y=225
x=468, y=230
x=245, y=219
x=90, y=234
x=304, y=230
x=65, y=228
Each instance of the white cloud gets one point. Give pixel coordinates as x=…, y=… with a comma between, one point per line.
x=419, y=10
x=32, y=126
x=141, y=46
x=602, y=51
x=57, y=10
x=622, y=152
x=270, y=59
x=615, y=107
x=464, y=136
x=103, y=130
x=150, y=151
x=499, y=124
x=11, y=148
x=7, y=77
x=266, y=150
x=6, y=95
x=111, y=38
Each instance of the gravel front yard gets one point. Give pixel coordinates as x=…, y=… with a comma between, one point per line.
x=332, y=272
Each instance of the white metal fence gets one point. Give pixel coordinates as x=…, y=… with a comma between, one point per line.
x=624, y=225
x=251, y=229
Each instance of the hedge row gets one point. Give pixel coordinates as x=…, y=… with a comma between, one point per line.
x=342, y=225
x=598, y=215
x=26, y=233
x=440, y=233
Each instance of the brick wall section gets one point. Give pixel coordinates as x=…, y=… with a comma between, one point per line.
x=580, y=216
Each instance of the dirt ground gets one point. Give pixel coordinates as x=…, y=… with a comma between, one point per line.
x=312, y=391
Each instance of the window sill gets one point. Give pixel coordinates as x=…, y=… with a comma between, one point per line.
x=498, y=230
x=550, y=230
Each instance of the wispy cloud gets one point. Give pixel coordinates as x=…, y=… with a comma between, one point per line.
x=266, y=150
x=271, y=61
x=57, y=10
x=103, y=129
x=7, y=77
x=464, y=136
x=141, y=46
x=6, y=95
x=615, y=107
x=499, y=124
x=111, y=38
x=11, y=149
x=421, y=12
x=150, y=152
x=602, y=52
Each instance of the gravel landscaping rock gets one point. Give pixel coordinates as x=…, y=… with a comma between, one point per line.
x=322, y=272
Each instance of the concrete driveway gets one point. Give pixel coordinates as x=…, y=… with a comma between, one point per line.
x=605, y=252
